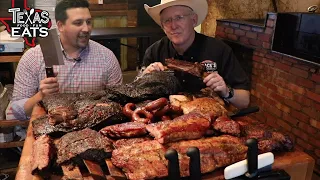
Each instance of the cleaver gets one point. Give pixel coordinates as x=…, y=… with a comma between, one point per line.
x=51, y=50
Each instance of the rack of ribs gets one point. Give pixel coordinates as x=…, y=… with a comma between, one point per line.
x=195, y=69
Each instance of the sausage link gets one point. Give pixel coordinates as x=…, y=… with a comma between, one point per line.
x=156, y=104
x=142, y=115
x=128, y=109
x=162, y=111
x=176, y=110
x=165, y=118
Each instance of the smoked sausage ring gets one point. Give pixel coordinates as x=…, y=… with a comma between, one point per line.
x=156, y=104
x=161, y=112
x=142, y=115
x=128, y=109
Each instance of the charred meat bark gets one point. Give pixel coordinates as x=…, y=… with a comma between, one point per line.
x=150, y=86
x=87, y=112
x=125, y=130
x=146, y=160
x=130, y=141
x=189, y=126
x=43, y=152
x=195, y=69
x=225, y=125
x=85, y=144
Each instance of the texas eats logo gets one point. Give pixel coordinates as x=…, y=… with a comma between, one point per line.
x=27, y=22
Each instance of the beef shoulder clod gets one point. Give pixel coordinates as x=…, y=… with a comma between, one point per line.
x=84, y=144
x=43, y=152
x=188, y=126
x=206, y=106
x=125, y=130
x=146, y=160
x=195, y=69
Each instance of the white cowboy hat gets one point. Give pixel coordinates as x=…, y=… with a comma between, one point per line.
x=200, y=7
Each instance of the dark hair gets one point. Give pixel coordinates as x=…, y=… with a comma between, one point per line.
x=64, y=5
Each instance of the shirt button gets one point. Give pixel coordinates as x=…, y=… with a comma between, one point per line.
x=191, y=57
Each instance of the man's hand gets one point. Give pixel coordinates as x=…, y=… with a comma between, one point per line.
x=156, y=66
x=49, y=86
x=216, y=82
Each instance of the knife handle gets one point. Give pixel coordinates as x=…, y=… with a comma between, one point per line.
x=194, y=164
x=245, y=111
x=173, y=165
x=49, y=72
x=252, y=157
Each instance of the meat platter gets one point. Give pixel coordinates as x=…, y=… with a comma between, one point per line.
x=117, y=134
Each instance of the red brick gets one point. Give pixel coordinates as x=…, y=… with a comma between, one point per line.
x=317, y=152
x=302, y=100
x=317, y=106
x=315, y=77
x=293, y=121
x=270, y=71
x=229, y=30
x=300, y=116
x=295, y=88
x=270, y=23
x=221, y=34
x=251, y=35
x=234, y=25
x=285, y=92
x=275, y=111
x=239, y=32
x=263, y=90
x=292, y=60
x=300, y=134
x=307, y=128
x=304, y=144
x=270, y=86
x=264, y=37
x=247, y=28
x=271, y=56
x=305, y=83
x=314, y=142
x=270, y=120
x=269, y=30
x=257, y=58
x=299, y=72
x=292, y=104
x=313, y=96
x=317, y=89
x=232, y=37
x=286, y=62
x=266, y=45
x=282, y=66
x=303, y=67
x=258, y=53
x=220, y=28
x=284, y=125
x=313, y=113
x=315, y=123
x=257, y=65
x=280, y=82
x=269, y=101
x=257, y=29
x=276, y=97
x=255, y=42
x=282, y=107
x=244, y=40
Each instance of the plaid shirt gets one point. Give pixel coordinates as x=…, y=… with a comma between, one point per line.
x=97, y=68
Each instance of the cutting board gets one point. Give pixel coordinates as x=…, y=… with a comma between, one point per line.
x=297, y=164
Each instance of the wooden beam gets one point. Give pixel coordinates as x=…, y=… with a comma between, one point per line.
x=11, y=144
x=12, y=123
x=108, y=13
x=9, y=58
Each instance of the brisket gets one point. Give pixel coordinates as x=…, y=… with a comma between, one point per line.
x=43, y=152
x=188, y=126
x=150, y=86
x=85, y=144
x=125, y=130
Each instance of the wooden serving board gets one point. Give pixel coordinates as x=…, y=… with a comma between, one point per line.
x=297, y=164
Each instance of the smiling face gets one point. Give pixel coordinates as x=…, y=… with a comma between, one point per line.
x=178, y=23
x=75, y=32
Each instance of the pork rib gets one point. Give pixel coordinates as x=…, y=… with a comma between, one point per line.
x=189, y=126
x=125, y=130
x=195, y=69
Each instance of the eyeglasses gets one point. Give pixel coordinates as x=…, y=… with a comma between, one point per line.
x=177, y=19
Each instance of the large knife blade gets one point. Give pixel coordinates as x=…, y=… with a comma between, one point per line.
x=51, y=50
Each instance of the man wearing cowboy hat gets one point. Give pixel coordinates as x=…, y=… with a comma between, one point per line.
x=178, y=18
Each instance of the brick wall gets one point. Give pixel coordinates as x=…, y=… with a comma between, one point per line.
x=286, y=89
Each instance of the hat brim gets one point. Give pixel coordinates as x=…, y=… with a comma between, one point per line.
x=199, y=7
